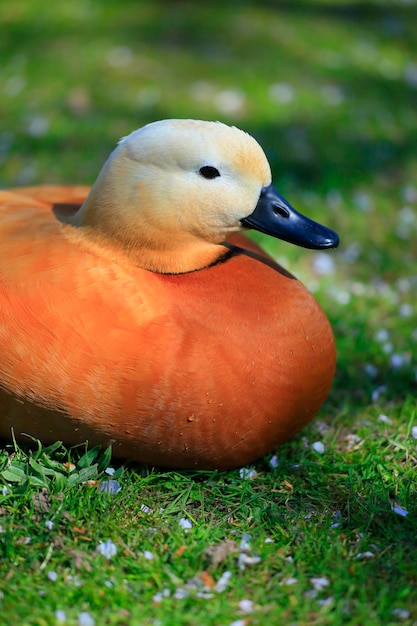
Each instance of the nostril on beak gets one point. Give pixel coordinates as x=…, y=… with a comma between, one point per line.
x=279, y=210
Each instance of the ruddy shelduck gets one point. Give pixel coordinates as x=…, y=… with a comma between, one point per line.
x=136, y=314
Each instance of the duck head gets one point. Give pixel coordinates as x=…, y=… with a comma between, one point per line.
x=173, y=191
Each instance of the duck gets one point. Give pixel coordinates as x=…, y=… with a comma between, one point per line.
x=138, y=314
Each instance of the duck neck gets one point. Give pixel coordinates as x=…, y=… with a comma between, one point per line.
x=174, y=253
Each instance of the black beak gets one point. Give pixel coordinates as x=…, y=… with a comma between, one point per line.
x=273, y=215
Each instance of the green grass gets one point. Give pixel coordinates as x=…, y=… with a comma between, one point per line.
x=329, y=89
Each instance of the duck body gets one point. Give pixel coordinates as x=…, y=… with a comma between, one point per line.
x=211, y=368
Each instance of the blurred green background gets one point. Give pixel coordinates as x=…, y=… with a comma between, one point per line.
x=328, y=88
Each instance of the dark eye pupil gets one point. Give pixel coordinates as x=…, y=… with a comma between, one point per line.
x=209, y=172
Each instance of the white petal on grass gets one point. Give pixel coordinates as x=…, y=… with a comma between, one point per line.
x=238, y=622
x=362, y=201
x=337, y=518
x=244, y=559
x=399, y=360
x=405, y=310
x=158, y=597
x=320, y=583
x=194, y=586
x=325, y=601
x=398, y=509
x=323, y=264
x=223, y=582
x=313, y=285
x=410, y=194
x=371, y=370
x=289, y=582
x=403, y=285
x=414, y=432
x=145, y=509
x=281, y=92
x=334, y=199
x=404, y=231
x=60, y=615
x=110, y=486
x=4, y=490
x=230, y=101
x=49, y=524
x=53, y=576
x=378, y=392
x=85, y=619
x=322, y=427
x=245, y=542
x=318, y=447
x=148, y=555
x=110, y=471
x=206, y=595
x=382, y=335
x=37, y=125
x=358, y=288
x=185, y=524
x=384, y=419
x=342, y=296
x=247, y=473
x=108, y=549
x=410, y=75
x=246, y=606
x=402, y=614
x=26, y=174
x=364, y=556
x=269, y=540
x=202, y=90
x=14, y=85
x=332, y=95
x=273, y=461
x=119, y=56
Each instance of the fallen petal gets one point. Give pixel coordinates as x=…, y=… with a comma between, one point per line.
x=398, y=509
x=108, y=549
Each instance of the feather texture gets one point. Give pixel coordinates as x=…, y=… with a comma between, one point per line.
x=207, y=368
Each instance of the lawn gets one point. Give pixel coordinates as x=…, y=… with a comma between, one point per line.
x=322, y=531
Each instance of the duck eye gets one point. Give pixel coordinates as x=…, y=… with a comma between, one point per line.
x=209, y=172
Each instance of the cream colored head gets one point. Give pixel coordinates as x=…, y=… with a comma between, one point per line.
x=153, y=202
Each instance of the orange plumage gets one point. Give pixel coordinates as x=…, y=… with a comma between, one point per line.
x=206, y=368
